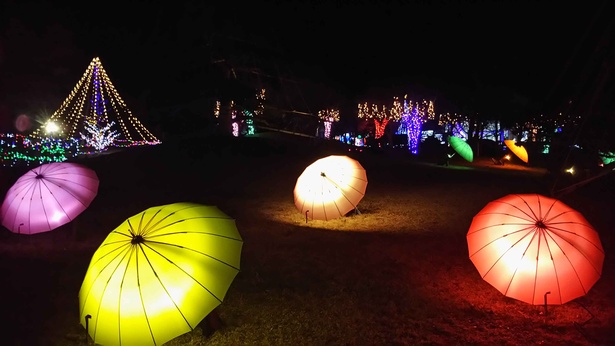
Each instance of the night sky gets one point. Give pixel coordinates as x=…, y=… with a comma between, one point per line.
x=535, y=52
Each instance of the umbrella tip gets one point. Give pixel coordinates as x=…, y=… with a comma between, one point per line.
x=38, y=176
x=137, y=239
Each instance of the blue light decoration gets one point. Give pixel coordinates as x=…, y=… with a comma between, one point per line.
x=460, y=131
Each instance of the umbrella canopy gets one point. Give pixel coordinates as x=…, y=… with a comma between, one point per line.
x=535, y=249
x=48, y=197
x=158, y=274
x=518, y=150
x=330, y=187
x=461, y=147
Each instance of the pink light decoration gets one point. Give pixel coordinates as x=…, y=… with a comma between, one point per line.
x=48, y=197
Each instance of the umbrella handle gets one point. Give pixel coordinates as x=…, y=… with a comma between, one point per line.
x=549, y=292
x=87, y=320
x=306, y=217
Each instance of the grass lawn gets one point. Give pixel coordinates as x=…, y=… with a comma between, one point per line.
x=398, y=273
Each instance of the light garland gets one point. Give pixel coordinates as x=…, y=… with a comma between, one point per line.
x=105, y=106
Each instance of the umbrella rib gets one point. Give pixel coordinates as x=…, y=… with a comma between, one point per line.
x=106, y=284
x=512, y=246
x=559, y=287
x=161, y=227
x=189, y=249
x=57, y=202
x=531, y=216
x=162, y=284
x=512, y=277
x=151, y=332
x=562, y=230
x=29, y=189
x=502, y=224
x=581, y=252
x=343, y=193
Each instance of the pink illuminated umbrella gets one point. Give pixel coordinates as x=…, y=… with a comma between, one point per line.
x=48, y=197
x=330, y=187
x=535, y=249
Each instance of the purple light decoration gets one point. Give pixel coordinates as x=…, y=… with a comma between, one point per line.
x=97, y=100
x=413, y=124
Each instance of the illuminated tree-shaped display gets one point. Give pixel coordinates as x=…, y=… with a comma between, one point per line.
x=379, y=116
x=413, y=115
x=329, y=116
x=100, y=138
x=94, y=99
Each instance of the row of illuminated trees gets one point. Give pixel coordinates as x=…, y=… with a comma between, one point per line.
x=406, y=117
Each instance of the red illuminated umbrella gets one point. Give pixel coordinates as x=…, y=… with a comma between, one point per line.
x=330, y=187
x=518, y=150
x=535, y=249
x=48, y=197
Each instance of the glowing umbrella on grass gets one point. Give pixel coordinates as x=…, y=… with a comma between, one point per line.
x=518, y=150
x=535, y=249
x=330, y=187
x=158, y=274
x=461, y=147
x=48, y=196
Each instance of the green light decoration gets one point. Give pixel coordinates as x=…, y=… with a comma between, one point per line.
x=608, y=157
x=20, y=150
x=461, y=147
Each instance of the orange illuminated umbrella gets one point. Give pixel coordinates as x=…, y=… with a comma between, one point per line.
x=330, y=187
x=518, y=150
x=535, y=249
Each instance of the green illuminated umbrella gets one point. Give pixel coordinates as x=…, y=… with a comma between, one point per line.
x=158, y=274
x=461, y=147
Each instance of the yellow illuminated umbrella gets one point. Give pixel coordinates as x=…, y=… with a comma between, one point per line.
x=518, y=150
x=330, y=187
x=158, y=274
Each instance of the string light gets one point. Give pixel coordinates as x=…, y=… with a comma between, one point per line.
x=329, y=116
x=105, y=106
x=21, y=150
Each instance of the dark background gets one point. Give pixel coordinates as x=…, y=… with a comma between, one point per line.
x=469, y=56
